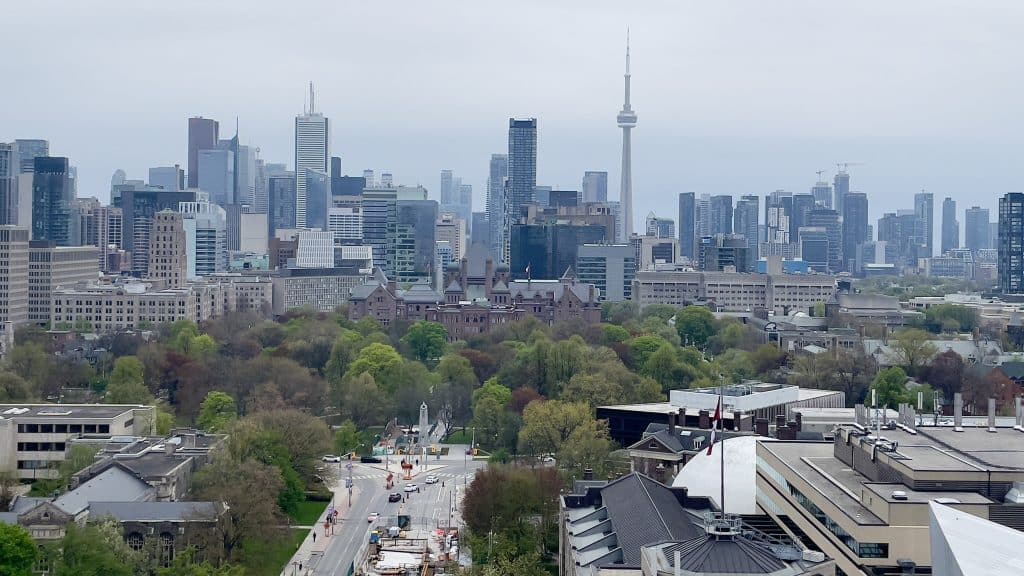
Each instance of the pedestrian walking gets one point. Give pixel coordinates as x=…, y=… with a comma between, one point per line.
x=314, y=535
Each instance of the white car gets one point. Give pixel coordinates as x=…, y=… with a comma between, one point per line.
x=431, y=480
x=331, y=458
x=412, y=488
x=373, y=517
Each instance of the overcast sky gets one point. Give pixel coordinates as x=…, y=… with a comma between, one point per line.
x=732, y=97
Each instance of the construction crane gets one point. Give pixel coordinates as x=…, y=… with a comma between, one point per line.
x=819, y=173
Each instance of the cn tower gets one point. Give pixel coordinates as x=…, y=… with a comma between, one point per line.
x=627, y=120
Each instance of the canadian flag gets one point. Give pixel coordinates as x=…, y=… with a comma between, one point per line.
x=715, y=423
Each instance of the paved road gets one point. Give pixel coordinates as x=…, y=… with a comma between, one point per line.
x=426, y=508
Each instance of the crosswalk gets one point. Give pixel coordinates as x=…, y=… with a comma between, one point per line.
x=420, y=477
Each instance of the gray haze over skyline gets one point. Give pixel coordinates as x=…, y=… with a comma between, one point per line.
x=733, y=98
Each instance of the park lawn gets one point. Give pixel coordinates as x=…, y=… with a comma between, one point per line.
x=309, y=513
x=459, y=437
x=271, y=560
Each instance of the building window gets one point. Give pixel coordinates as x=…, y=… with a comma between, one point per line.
x=135, y=541
x=166, y=549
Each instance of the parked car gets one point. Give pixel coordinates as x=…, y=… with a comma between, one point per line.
x=331, y=458
x=412, y=488
x=372, y=517
x=431, y=480
x=369, y=460
x=395, y=497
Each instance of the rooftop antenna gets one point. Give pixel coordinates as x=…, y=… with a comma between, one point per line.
x=312, y=99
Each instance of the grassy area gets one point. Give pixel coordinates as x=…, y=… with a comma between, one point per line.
x=309, y=513
x=271, y=560
x=459, y=437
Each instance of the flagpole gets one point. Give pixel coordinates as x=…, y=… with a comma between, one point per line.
x=721, y=431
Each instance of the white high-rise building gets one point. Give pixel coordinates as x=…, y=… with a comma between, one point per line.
x=206, y=242
x=345, y=222
x=452, y=229
x=312, y=136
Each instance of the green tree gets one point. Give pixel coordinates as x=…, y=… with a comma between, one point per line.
x=767, y=357
x=127, y=383
x=612, y=334
x=951, y=318
x=493, y=389
x=217, y=412
x=489, y=421
x=346, y=438
x=14, y=388
x=378, y=360
x=662, y=312
x=426, y=340
x=914, y=349
x=642, y=347
x=695, y=324
x=343, y=352
x=185, y=564
x=32, y=363
x=96, y=549
x=587, y=446
x=547, y=425
x=17, y=551
x=890, y=388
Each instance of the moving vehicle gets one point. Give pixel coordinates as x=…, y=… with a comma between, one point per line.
x=412, y=488
x=369, y=460
x=331, y=458
x=394, y=497
x=431, y=480
x=372, y=517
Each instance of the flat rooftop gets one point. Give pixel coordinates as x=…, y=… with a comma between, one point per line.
x=64, y=411
x=665, y=408
x=974, y=449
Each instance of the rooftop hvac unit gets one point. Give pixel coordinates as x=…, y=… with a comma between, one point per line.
x=813, y=556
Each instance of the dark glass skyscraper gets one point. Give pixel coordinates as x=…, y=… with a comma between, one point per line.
x=976, y=236
x=281, y=190
x=721, y=214
x=28, y=151
x=203, y=134
x=841, y=187
x=1011, y=243
x=855, y=226
x=802, y=204
x=53, y=195
x=497, y=172
x=829, y=220
x=8, y=183
x=687, y=224
x=522, y=168
x=950, y=227
x=745, y=222
x=924, y=209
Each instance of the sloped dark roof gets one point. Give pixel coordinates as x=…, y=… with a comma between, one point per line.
x=363, y=291
x=726, y=556
x=1013, y=370
x=453, y=287
x=156, y=511
x=671, y=441
x=642, y=512
x=421, y=292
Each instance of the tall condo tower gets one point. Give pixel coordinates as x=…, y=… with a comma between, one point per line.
x=311, y=152
x=627, y=120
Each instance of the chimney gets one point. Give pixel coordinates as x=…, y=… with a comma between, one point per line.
x=488, y=277
x=588, y=473
x=672, y=423
x=680, y=493
x=169, y=447
x=991, y=414
x=780, y=420
x=958, y=412
x=681, y=418
x=705, y=420
x=740, y=421
x=785, y=433
x=799, y=422
x=761, y=426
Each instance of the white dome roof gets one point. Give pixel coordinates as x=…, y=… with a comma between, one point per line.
x=701, y=474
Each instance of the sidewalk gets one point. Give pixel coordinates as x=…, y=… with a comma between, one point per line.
x=308, y=548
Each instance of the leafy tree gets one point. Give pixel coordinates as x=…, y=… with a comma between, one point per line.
x=217, y=412
x=914, y=349
x=14, y=388
x=735, y=365
x=662, y=312
x=890, y=388
x=250, y=489
x=185, y=564
x=96, y=549
x=978, y=389
x=811, y=371
x=730, y=334
x=492, y=389
x=484, y=365
x=363, y=401
x=343, y=352
x=852, y=373
x=548, y=425
x=619, y=312
x=951, y=318
x=642, y=347
x=377, y=360
x=593, y=390
x=946, y=373
x=695, y=325
x=612, y=334
x=489, y=421
x=17, y=551
x=521, y=398
x=32, y=363
x=346, y=438
x=426, y=340
x=767, y=357
x=452, y=396
x=588, y=446
x=515, y=508
x=127, y=383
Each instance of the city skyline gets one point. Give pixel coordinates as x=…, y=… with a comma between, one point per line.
x=720, y=122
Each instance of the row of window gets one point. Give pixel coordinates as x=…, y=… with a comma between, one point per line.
x=63, y=429
x=41, y=446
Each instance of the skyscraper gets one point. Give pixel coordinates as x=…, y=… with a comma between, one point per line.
x=318, y=198
x=245, y=175
x=778, y=214
x=203, y=134
x=205, y=227
x=167, y=177
x=976, y=236
x=802, y=204
x=168, y=259
x=447, y=189
x=28, y=151
x=281, y=193
x=721, y=214
x=841, y=186
x=660, y=227
x=1011, y=243
x=855, y=226
x=924, y=209
x=312, y=137
x=950, y=227
x=139, y=207
x=497, y=172
x=14, y=274
x=829, y=220
x=627, y=121
x=745, y=222
x=594, y=187
x=687, y=224
x=217, y=175
x=522, y=172
x=8, y=183
x=52, y=198
x=822, y=193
